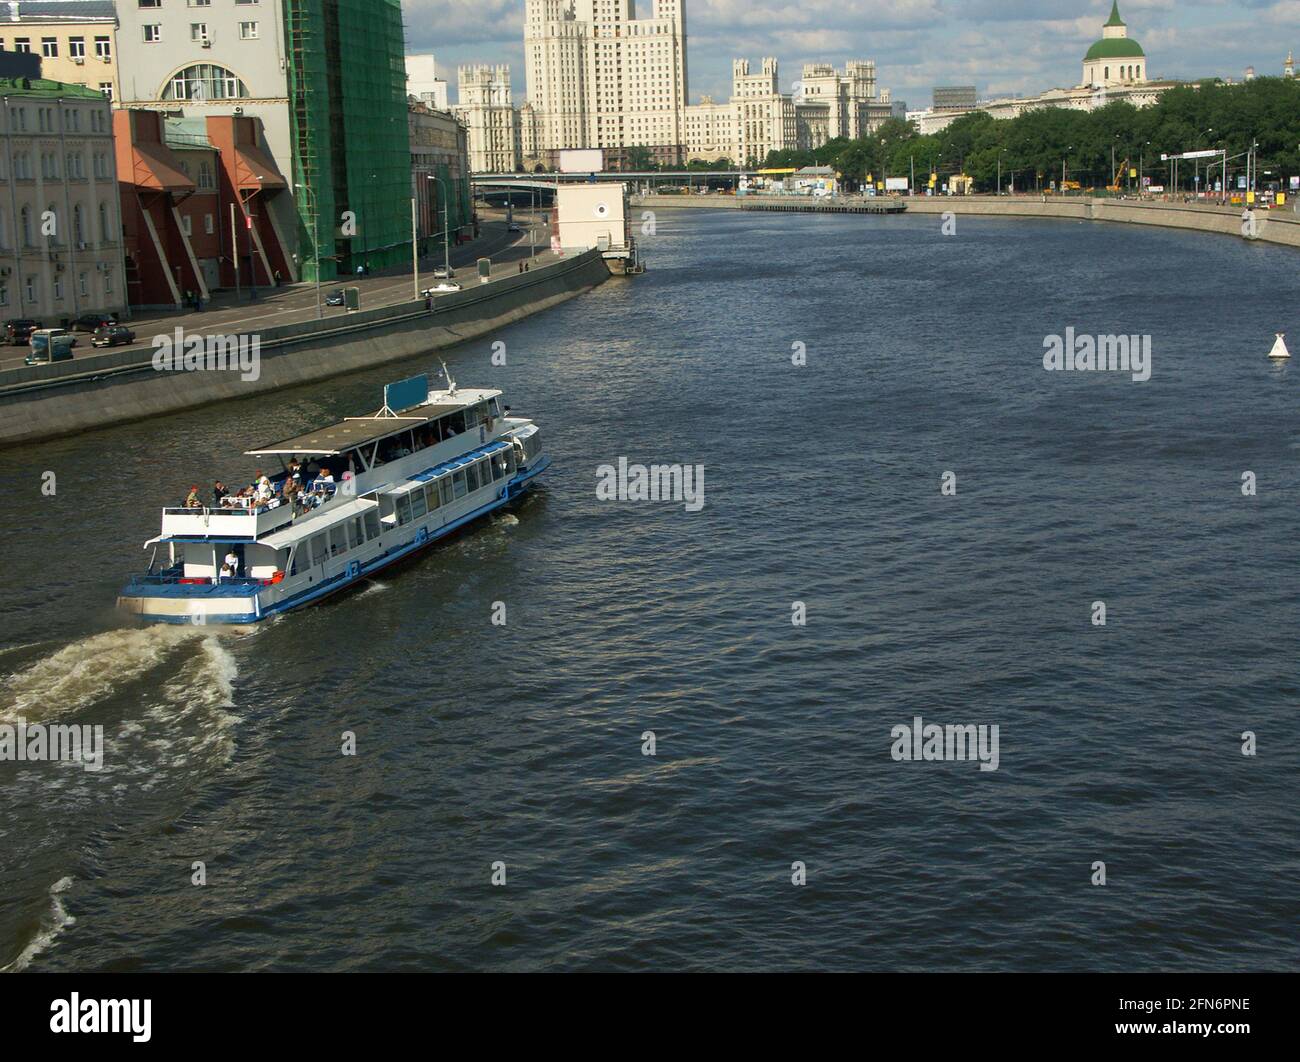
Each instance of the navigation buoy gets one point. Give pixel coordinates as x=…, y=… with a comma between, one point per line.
x=1279, y=347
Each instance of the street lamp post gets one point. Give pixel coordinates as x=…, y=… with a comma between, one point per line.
x=446, y=246
x=315, y=238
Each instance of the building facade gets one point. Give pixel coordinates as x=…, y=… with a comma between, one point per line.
x=326, y=82
x=486, y=109
x=75, y=39
x=423, y=82
x=60, y=234
x=598, y=76
x=440, y=172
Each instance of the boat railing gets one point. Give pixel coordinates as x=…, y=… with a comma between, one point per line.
x=165, y=579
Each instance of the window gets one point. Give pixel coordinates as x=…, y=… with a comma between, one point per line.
x=458, y=485
x=32, y=288
x=248, y=31
x=103, y=48
x=431, y=496
x=209, y=224
x=106, y=87
x=104, y=223
x=404, y=509
x=419, y=507
x=471, y=478
x=77, y=47
x=319, y=550
x=22, y=44
x=151, y=3
x=50, y=47
x=25, y=225
x=358, y=532
x=444, y=488
x=206, y=180
x=204, y=81
x=338, y=541
x=108, y=281
x=58, y=287
x=4, y=292
x=83, y=284
x=372, y=523
x=187, y=225
x=78, y=224
x=152, y=32
x=198, y=31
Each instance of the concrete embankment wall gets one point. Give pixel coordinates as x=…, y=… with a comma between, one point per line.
x=1276, y=226
x=117, y=386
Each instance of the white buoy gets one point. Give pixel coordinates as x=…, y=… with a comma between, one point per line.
x=1279, y=347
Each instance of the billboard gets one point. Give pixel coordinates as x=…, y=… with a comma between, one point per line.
x=582, y=160
x=895, y=184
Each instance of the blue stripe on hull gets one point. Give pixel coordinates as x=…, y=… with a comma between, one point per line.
x=513, y=490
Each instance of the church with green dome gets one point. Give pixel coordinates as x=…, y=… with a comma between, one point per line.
x=1116, y=59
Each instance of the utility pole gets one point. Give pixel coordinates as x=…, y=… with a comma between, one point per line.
x=415, y=248
x=234, y=248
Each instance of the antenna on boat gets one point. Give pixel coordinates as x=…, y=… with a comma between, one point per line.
x=446, y=373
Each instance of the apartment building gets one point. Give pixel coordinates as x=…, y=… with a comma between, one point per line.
x=60, y=234
x=598, y=76
x=423, y=82
x=75, y=39
x=486, y=110
x=440, y=176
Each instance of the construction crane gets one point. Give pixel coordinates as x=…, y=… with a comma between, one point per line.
x=1114, y=181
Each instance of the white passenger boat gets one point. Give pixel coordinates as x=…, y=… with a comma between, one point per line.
x=425, y=465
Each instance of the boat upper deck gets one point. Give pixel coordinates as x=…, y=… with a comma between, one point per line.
x=354, y=432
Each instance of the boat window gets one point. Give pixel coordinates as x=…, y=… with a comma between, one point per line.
x=418, y=506
x=511, y=462
x=431, y=496
x=444, y=488
x=458, y=484
x=372, y=523
x=456, y=422
x=473, y=417
x=485, y=471
x=319, y=550
x=338, y=541
x=498, y=466
x=293, y=565
x=404, y=510
x=471, y=477
x=494, y=408
x=358, y=532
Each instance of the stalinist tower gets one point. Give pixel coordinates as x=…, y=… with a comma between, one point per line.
x=1115, y=59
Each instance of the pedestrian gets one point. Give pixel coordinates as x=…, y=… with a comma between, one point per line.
x=278, y=278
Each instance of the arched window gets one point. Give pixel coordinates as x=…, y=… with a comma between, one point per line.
x=1107, y=73
x=78, y=224
x=204, y=81
x=103, y=223
x=25, y=223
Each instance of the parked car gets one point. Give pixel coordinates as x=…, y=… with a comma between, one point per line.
x=18, y=332
x=513, y=227
x=443, y=288
x=443, y=273
x=93, y=322
x=112, y=335
x=335, y=298
x=50, y=345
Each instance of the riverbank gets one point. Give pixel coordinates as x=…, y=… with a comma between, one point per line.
x=1281, y=227
x=117, y=386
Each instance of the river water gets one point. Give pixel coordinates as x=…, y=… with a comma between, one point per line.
x=522, y=744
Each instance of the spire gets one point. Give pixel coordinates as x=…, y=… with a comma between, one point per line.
x=1115, y=20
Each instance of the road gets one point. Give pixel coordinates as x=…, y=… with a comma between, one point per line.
x=297, y=302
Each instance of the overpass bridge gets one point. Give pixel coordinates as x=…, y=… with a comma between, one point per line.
x=522, y=189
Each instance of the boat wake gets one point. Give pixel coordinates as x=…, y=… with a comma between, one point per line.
x=89, y=671
x=52, y=925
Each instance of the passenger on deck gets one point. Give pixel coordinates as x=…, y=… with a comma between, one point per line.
x=219, y=495
x=192, y=499
x=226, y=573
x=263, y=485
x=232, y=562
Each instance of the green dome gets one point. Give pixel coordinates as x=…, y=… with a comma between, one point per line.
x=1115, y=48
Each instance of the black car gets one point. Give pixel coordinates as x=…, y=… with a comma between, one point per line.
x=334, y=298
x=18, y=332
x=111, y=336
x=93, y=322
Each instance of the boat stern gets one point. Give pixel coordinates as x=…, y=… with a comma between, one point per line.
x=199, y=603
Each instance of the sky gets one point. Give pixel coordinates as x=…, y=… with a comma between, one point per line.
x=1003, y=47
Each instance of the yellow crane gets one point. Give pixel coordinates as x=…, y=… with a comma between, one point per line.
x=1114, y=181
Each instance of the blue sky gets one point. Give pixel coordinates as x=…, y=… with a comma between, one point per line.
x=1000, y=46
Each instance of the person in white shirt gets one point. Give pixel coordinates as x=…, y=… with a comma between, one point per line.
x=232, y=562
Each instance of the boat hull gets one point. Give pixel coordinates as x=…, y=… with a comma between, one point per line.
x=223, y=604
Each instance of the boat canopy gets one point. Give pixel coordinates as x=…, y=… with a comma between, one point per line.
x=306, y=528
x=456, y=462
x=351, y=433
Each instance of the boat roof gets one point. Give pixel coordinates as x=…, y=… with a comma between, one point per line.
x=301, y=529
x=360, y=431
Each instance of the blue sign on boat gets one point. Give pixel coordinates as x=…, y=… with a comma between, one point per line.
x=405, y=394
